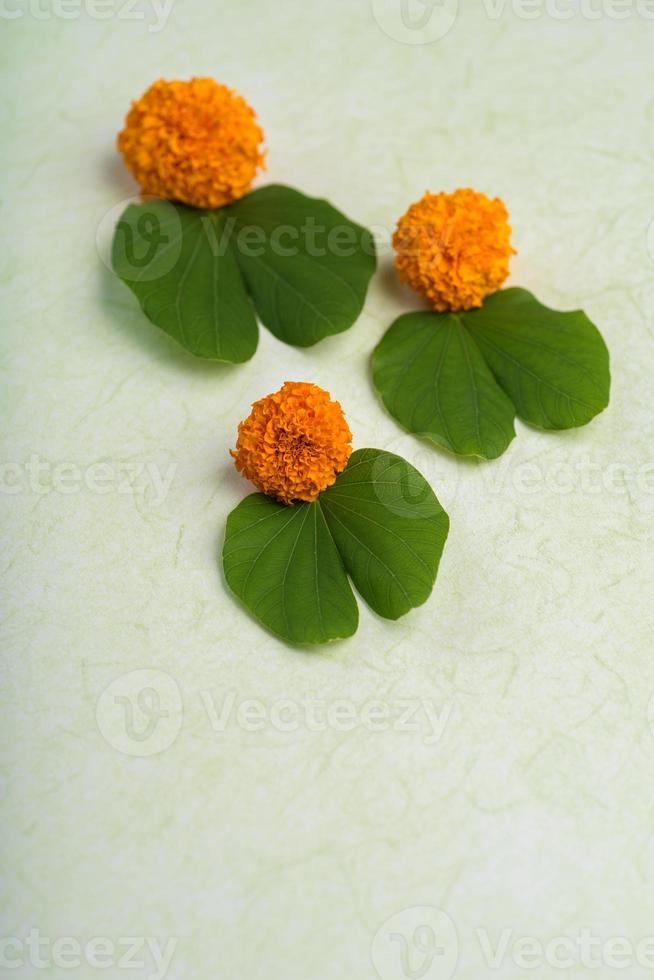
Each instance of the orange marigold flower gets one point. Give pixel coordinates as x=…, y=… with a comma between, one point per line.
x=195, y=142
x=294, y=443
x=454, y=248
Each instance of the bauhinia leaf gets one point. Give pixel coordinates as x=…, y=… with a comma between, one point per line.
x=434, y=381
x=380, y=522
x=554, y=366
x=307, y=266
x=459, y=378
x=283, y=564
x=180, y=265
x=389, y=529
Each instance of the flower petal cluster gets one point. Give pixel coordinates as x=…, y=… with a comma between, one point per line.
x=196, y=142
x=294, y=443
x=454, y=249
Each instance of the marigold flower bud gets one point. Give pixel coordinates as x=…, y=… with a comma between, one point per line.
x=454, y=249
x=294, y=443
x=196, y=142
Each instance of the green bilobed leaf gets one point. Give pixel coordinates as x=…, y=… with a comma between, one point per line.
x=283, y=564
x=460, y=378
x=307, y=266
x=554, y=366
x=389, y=529
x=380, y=523
x=434, y=381
x=180, y=265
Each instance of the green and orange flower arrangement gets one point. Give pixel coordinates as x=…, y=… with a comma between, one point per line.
x=326, y=517
x=458, y=374
x=206, y=257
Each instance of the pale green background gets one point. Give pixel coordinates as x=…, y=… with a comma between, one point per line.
x=273, y=854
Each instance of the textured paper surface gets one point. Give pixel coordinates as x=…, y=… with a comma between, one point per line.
x=522, y=797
